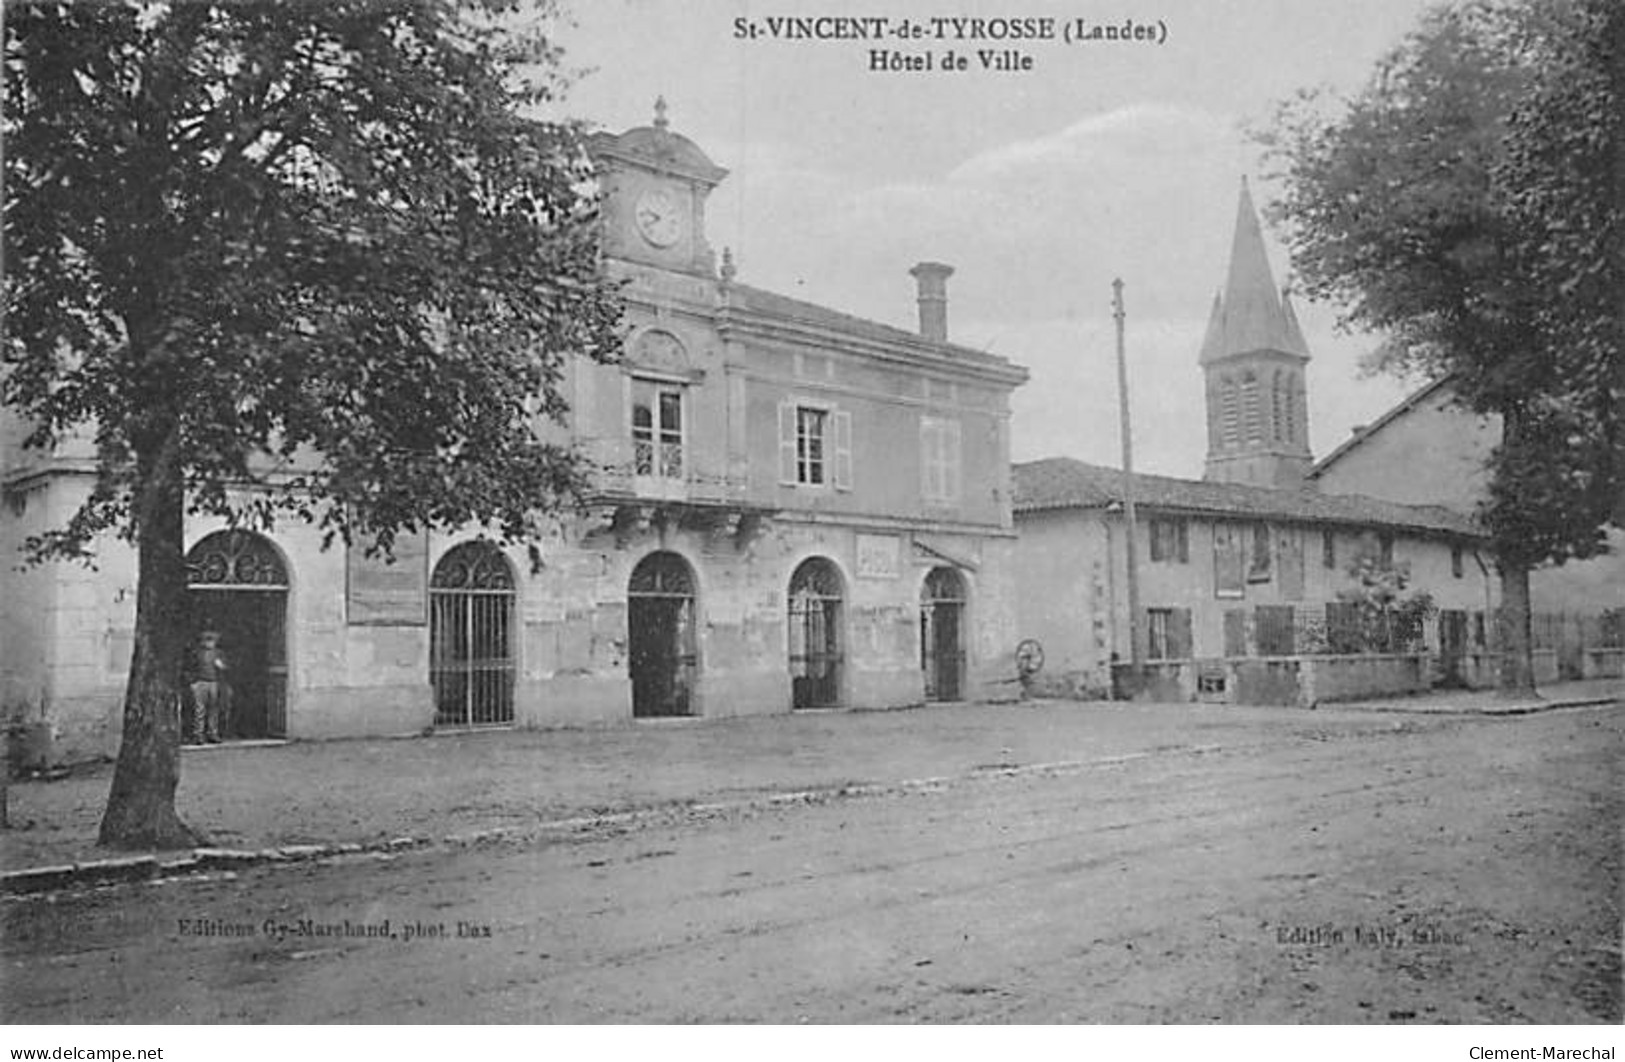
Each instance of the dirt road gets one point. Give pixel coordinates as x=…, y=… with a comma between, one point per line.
x=1435, y=870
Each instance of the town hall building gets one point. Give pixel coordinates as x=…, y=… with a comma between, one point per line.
x=792, y=509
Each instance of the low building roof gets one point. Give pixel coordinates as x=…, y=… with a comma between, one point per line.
x=1065, y=483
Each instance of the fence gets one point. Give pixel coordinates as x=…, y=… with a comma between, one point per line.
x=1285, y=654
x=1342, y=629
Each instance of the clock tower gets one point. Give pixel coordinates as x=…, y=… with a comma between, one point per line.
x=655, y=183
x=1254, y=356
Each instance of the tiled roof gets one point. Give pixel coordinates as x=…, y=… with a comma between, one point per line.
x=772, y=304
x=1063, y=483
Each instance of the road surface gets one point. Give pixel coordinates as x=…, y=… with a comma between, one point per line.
x=1432, y=870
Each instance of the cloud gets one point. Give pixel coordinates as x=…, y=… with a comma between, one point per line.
x=1140, y=131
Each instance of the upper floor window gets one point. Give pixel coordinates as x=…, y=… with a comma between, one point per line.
x=1229, y=560
x=939, y=460
x=815, y=445
x=1457, y=567
x=1258, y=558
x=657, y=429
x=1170, y=541
x=1385, y=549
x=811, y=425
x=1328, y=549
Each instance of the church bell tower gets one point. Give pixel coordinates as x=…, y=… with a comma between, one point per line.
x=1253, y=357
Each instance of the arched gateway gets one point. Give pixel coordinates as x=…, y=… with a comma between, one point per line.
x=238, y=588
x=816, y=657
x=471, y=659
x=942, y=634
x=660, y=636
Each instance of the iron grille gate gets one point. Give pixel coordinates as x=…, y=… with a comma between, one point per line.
x=815, y=638
x=471, y=663
x=942, y=648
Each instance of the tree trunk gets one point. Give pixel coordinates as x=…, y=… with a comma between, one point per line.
x=141, y=805
x=1516, y=644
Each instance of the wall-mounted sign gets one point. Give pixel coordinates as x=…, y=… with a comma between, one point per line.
x=383, y=594
x=879, y=556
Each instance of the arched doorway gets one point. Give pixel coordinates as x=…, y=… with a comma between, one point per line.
x=942, y=634
x=660, y=636
x=239, y=590
x=815, y=634
x=471, y=660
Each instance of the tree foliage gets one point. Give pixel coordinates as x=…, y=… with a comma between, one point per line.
x=1381, y=617
x=246, y=231
x=280, y=259
x=1468, y=203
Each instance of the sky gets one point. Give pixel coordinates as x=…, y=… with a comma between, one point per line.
x=1040, y=186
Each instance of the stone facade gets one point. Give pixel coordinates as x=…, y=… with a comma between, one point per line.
x=793, y=508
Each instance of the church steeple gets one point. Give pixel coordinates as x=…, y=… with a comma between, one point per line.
x=1253, y=355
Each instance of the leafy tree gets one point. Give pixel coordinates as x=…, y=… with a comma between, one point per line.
x=1468, y=203
x=286, y=261
x=1379, y=616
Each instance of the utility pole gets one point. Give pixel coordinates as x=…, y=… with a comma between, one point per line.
x=1136, y=623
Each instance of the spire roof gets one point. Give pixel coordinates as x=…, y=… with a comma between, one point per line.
x=1250, y=314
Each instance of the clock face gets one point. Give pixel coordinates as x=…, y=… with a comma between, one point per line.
x=658, y=217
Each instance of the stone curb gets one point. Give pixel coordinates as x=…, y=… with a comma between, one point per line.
x=1517, y=708
x=204, y=860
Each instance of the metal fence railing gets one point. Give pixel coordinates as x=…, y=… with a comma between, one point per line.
x=1339, y=628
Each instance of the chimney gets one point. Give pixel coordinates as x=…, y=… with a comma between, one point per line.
x=933, y=283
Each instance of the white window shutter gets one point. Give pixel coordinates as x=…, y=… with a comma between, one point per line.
x=928, y=455
x=843, y=450
x=787, y=441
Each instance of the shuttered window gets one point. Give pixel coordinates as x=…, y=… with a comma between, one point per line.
x=939, y=460
x=815, y=445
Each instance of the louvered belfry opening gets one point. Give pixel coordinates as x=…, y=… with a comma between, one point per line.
x=662, y=652
x=471, y=659
x=816, y=656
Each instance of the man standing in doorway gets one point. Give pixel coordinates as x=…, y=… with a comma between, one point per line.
x=210, y=693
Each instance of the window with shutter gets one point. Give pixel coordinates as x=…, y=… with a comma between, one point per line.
x=1157, y=621
x=939, y=460
x=815, y=445
x=811, y=443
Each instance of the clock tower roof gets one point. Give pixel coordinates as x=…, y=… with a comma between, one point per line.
x=655, y=147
